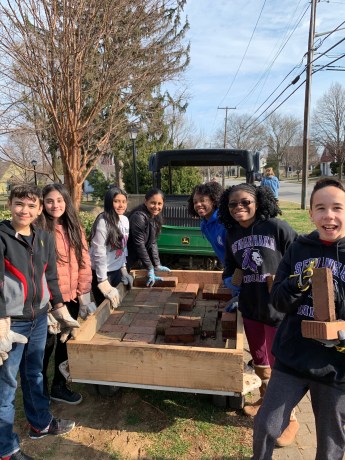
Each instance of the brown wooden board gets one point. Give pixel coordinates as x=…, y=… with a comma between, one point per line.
x=101, y=357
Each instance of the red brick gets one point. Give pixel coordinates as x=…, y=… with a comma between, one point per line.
x=113, y=328
x=126, y=319
x=171, y=308
x=144, y=322
x=147, y=317
x=179, y=334
x=164, y=323
x=187, y=322
x=186, y=304
x=228, y=320
x=323, y=295
x=139, y=338
x=141, y=330
x=115, y=317
x=322, y=329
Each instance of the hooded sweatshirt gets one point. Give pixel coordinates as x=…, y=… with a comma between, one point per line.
x=295, y=354
x=257, y=250
x=215, y=233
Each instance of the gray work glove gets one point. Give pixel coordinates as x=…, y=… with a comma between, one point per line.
x=67, y=323
x=86, y=307
x=110, y=293
x=126, y=278
x=232, y=305
x=161, y=268
x=8, y=338
x=53, y=325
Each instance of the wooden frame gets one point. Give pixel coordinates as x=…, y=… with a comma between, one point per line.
x=170, y=367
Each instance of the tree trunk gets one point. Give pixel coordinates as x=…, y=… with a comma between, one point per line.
x=74, y=188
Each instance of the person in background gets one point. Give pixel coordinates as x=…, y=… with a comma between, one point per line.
x=28, y=280
x=74, y=278
x=145, y=223
x=271, y=181
x=203, y=202
x=305, y=364
x=108, y=248
x=256, y=242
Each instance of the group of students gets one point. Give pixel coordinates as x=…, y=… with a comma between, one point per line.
x=242, y=226
x=47, y=274
x=52, y=266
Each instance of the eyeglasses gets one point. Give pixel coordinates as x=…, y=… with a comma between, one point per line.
x=244, y=203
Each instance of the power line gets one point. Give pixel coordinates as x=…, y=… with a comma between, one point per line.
x=245, y=53
x=267, y=71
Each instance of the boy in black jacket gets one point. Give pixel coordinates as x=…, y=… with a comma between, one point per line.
x=28, y=281
x=303, y=364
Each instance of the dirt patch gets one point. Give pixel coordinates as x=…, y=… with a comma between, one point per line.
x=129, y=424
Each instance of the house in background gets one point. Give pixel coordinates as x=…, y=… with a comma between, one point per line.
x=10, y=174
x=327, y=157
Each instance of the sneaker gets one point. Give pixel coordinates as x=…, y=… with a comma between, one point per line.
x=57, y=426
x=19, y=455
x=62, y=393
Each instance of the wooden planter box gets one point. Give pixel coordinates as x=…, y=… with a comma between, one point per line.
x=165, y=367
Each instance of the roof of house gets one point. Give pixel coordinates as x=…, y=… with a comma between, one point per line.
x=327, y=156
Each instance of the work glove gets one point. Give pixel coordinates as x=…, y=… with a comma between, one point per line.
x=152, y=278
x=235, y=289
x=86, y=307
x=304, y=279
x=110, y=293
x=53, y=325
x=338, y=344
x=232, y=305
x=161, y=268
x=8, y=338
x=126, y=278
x=67, y=323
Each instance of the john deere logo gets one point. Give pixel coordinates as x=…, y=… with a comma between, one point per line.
x=185, y=240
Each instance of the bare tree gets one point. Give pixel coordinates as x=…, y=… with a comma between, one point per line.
x=328, y=124
x=89, y=68
x=240, y=135
x=281, y=132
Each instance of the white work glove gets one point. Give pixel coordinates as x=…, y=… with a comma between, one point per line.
x=126, y=278
x=67, y=323
x=53, y=325
x=8, y=338
x=86, y=307
x=110, y=293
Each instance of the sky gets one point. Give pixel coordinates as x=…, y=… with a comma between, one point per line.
x=242, y=51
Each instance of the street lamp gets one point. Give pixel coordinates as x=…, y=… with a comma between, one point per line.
x=34, y=164
x=133, y=133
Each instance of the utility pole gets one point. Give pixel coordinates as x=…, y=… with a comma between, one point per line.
x=307, y=104
x=225, y=136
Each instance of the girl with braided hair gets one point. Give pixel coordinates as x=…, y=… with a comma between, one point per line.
x=255, y=243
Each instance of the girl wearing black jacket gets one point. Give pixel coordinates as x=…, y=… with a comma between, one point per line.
x=145, y=223
x=303, y=364
x=256, y=242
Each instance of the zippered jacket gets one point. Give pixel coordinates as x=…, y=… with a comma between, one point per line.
x=215, y=233
x=142, y=244
x=295, y=354
x=28, y=274
x=257, y=251
x=73, y=280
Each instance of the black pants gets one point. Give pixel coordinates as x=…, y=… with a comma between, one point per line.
x=114, y=279
x=60, y=350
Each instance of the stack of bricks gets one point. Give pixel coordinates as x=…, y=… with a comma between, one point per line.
x=325, y=326
x=167, y=315
x=229, y=325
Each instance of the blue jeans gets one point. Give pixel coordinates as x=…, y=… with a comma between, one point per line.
x=28, y=359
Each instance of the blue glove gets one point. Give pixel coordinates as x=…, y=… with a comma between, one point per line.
x=152, y=278
x=235, y=289
x=161, y=268
x=232, y=305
